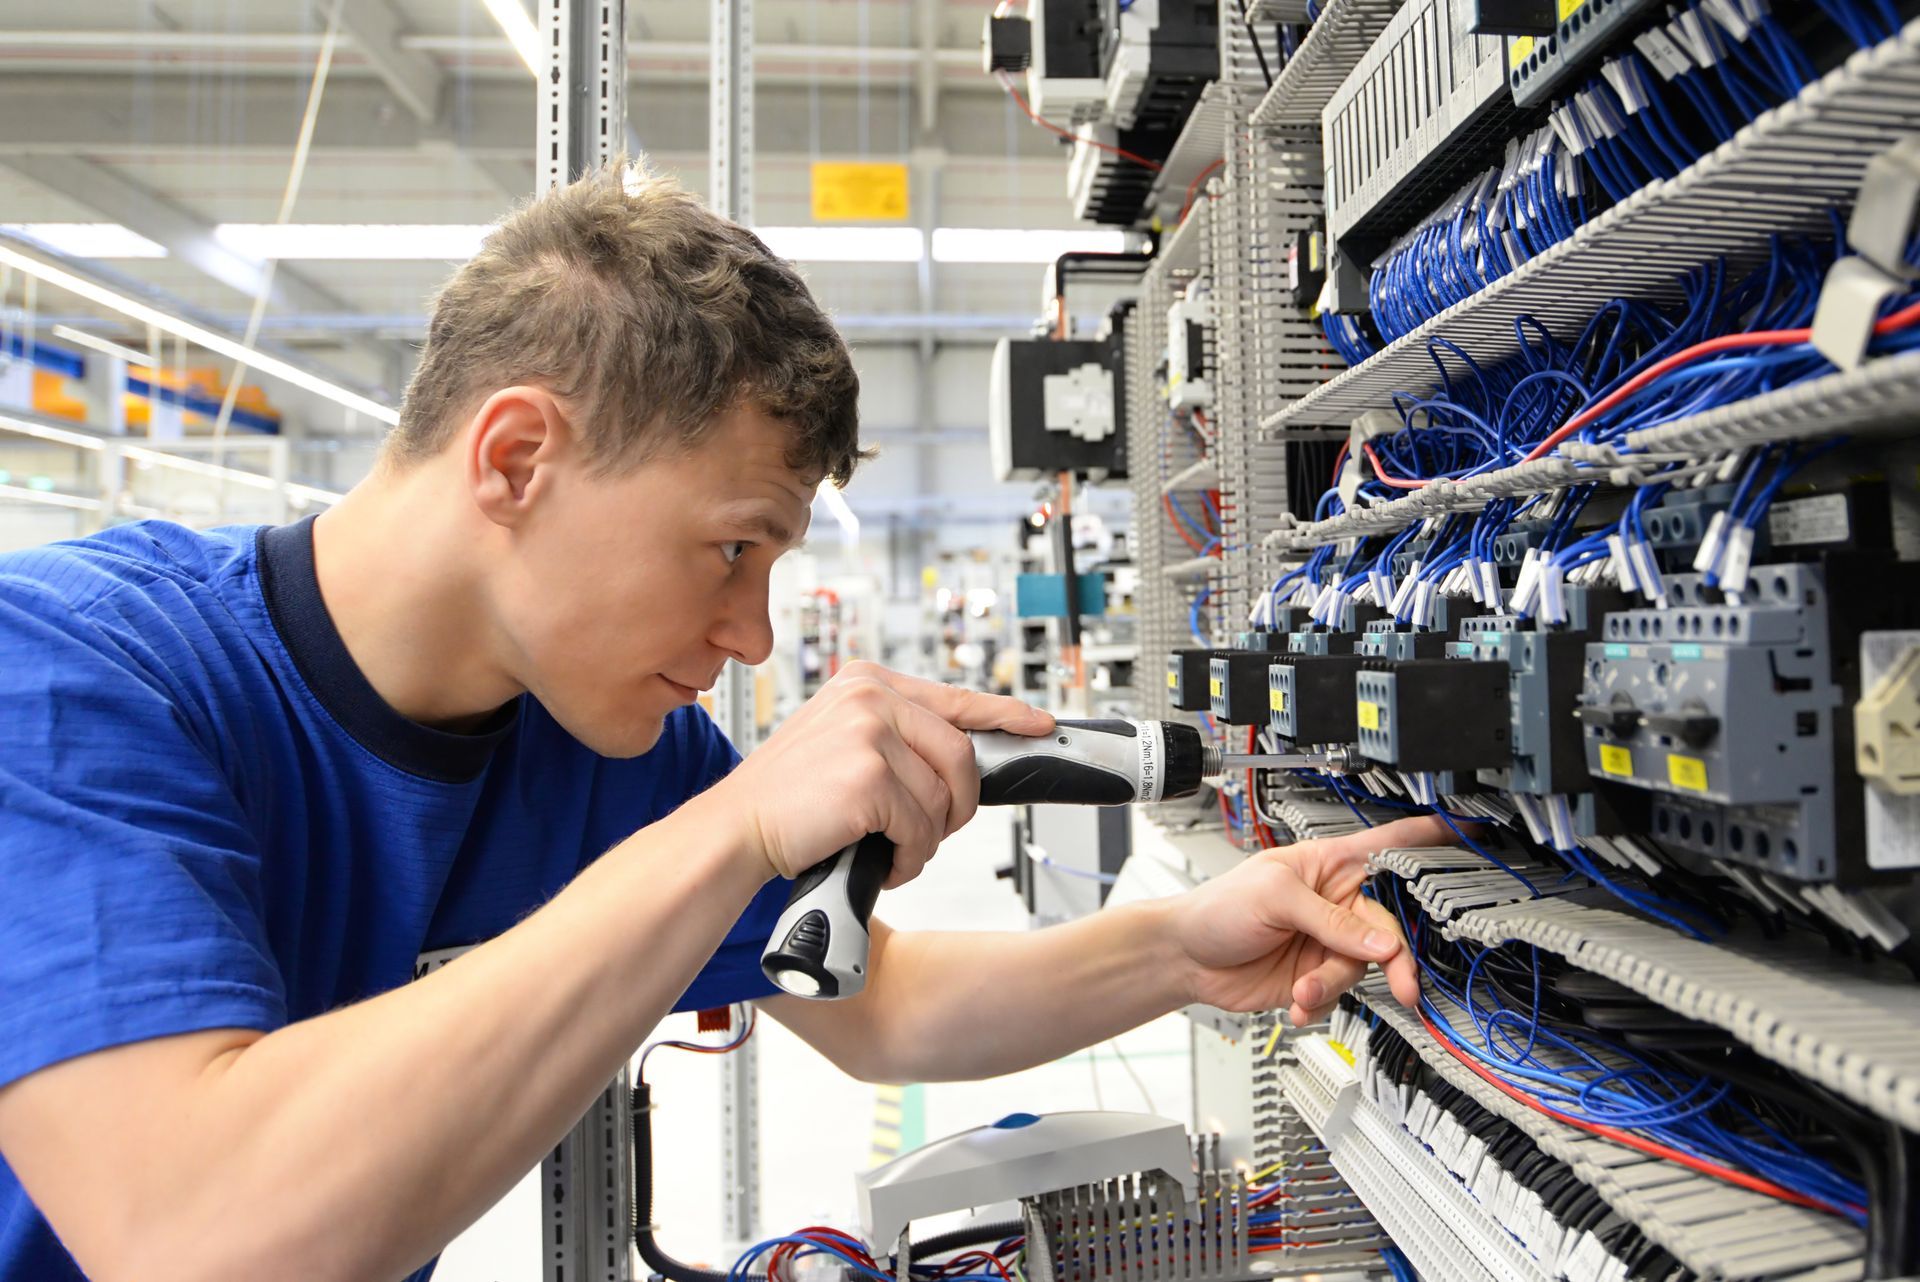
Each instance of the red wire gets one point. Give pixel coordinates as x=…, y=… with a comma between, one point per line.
x=1260, y=829
x=1726, y=342
x=970, y=1256
x=1187, y=204
x=1380, y=473
x=1180, y=527
x=1006, y=82
x=1630, y=1140
x=1338, y=459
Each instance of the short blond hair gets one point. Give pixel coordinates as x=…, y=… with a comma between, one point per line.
x=649, y=314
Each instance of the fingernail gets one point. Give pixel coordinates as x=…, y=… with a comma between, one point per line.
x=1313, y=991
x=1378, y=941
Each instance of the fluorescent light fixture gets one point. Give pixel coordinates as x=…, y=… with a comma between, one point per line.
x=49, y=498
x=836, y=502
x=845, y=244
x=456, y=242
x=89, y=240
x=55, y=435
x=1017, y=245
x=261, y=362
x=105, y=346
x=450, y=242
x=520, y=32
x=163, y=458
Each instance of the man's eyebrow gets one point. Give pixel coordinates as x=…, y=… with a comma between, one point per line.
x=761, y=523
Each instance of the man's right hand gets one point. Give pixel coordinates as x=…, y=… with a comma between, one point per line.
x=873, y=751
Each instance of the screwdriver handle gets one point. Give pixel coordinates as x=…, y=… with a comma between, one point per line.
x=818, y=947
x=1104, y=762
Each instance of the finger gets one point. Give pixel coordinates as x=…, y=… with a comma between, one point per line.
x=912, y=833
x=1322, y=986
x=1354, y=848
x=930, y=792
x=947, y=753
x=1403, y=969
x=967, y=709
x=1302, y=1017
x=1341, y=929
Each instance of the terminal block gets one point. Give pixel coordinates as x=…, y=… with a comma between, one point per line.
x=1339, y=640
x=1386, y=639
x=1310, y=698
x=1237, y=686
x=1274, y=639
x=1433, y=715
x=1187, y=679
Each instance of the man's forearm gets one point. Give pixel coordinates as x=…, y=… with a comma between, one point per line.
x=949, y=1006
x=358, y=1143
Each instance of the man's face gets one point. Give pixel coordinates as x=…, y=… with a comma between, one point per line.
x=629, y=593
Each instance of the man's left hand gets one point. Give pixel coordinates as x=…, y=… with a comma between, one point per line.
x=1289, y=927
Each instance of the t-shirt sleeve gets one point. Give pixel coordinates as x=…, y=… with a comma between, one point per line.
x=130, y=875
x=733, y=974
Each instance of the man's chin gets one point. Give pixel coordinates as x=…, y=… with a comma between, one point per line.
x=630, y=739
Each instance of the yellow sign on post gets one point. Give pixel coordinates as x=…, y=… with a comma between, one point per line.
x=859, y=191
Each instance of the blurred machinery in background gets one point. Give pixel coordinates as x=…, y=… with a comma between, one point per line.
x=1519, y=405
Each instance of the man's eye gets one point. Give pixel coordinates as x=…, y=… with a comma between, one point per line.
x=734, y=551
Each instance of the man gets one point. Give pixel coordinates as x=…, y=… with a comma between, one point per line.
x=248, y=776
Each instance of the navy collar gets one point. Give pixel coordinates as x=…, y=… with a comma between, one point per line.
x=292, y=590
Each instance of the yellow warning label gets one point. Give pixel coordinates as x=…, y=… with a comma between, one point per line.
x=1686, y=772
x=1277, y=700
x=1173, y=680
x=870, y=192
x=1369, y=715
x=1569, y=7
x=1615, y=760
x=1213, y=687
x=1518, y=49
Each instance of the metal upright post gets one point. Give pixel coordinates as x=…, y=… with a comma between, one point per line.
x=586, y=1184
x=582, y=112
x=730, y=193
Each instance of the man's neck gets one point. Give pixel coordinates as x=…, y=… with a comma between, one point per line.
x=405, y=595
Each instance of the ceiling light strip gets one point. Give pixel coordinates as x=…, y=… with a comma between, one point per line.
x=259, y=361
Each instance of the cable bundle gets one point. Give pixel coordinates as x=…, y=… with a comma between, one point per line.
x=1542, y=1033
x=1490, y=226
x=1632, y=367
x=1685, y=87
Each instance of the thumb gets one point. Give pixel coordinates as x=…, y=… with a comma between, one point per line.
x=1344, y=931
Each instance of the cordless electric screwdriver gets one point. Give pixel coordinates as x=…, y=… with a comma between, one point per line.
x=819, y=945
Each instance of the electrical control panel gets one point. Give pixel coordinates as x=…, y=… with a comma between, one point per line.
x=1556, y=479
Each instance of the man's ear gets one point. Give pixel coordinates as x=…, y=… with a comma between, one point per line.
x=513, y=444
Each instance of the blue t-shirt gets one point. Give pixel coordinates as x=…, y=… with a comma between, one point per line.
x=209, y=819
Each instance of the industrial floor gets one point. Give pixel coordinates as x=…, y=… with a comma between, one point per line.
x=818, y=1126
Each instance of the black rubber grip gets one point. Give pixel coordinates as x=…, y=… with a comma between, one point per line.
x=1101, y=725
x=1040, y=778
x=872, y=865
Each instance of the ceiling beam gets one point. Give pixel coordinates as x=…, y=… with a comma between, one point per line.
x=415, y=79
x=379, y=41
x=49, y=112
